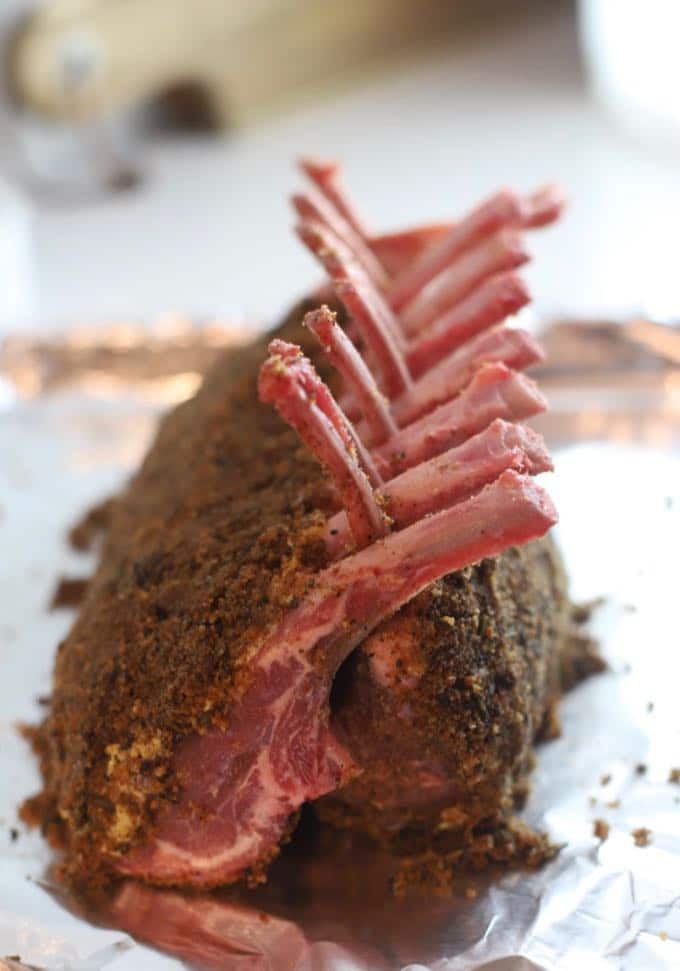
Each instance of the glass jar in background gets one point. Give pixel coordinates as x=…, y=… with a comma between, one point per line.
x=17, y=277
x=16, y=259
x=631, y=54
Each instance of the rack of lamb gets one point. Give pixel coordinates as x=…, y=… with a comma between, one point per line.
x=330, y=581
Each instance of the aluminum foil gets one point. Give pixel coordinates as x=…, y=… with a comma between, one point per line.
x=75, y=417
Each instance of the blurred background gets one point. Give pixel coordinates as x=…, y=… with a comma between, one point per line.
x=146, y=146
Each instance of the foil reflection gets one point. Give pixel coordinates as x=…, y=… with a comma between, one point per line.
x=209, y=932
x=327, y=905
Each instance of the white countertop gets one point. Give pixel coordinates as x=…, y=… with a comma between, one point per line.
x=208, y=232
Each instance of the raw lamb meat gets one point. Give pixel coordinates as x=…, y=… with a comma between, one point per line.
x=324, y=593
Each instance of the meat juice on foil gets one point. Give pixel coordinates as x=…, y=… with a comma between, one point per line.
x=76, y=416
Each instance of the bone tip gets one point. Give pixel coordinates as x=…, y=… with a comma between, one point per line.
x=313, y=166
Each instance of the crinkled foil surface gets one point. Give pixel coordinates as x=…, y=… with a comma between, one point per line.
x=75, y=417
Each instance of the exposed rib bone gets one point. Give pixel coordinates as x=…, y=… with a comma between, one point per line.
x=494, y=392
x=358, y=379
x=372, y=318
x=515, y=348
x=504, y=251
x=452, y=477
x=326, y=175
x=289, y=381
x=312, y=205
x=397, y=251
x=505, y=209
x=490, y=303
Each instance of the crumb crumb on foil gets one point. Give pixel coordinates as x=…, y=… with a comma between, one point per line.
x=601, y=829
x=642, y=836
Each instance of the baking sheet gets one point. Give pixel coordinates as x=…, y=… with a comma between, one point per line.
x=71, y=431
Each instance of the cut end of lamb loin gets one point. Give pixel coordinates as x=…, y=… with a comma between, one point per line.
x=279, y=750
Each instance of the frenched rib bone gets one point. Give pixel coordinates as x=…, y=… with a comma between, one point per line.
x=503, y=345
x=493, y=301
x=505, y=251
x=372, y=317
x=313, y=206
x=495, y=391
x=288, y=380
x=504, y=210
x=453, y=476
x=358, y=379
x=326, y=176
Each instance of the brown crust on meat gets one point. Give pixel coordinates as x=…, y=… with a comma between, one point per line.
x=490, y=650
x=216, y=536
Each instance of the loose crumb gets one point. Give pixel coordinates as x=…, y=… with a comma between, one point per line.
x=69, y=592
x=581, y=613
x=613, y=804
x=95, y=522
x=605, y=779
x=663, y=936
x=471, y=893
x=640, y=768
x=650, y=706
x=592, y=801
x=642, y=836
x=674, y=776
x=601, y=829
x=14, y=834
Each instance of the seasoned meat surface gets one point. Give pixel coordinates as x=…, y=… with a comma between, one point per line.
x=354, y=615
